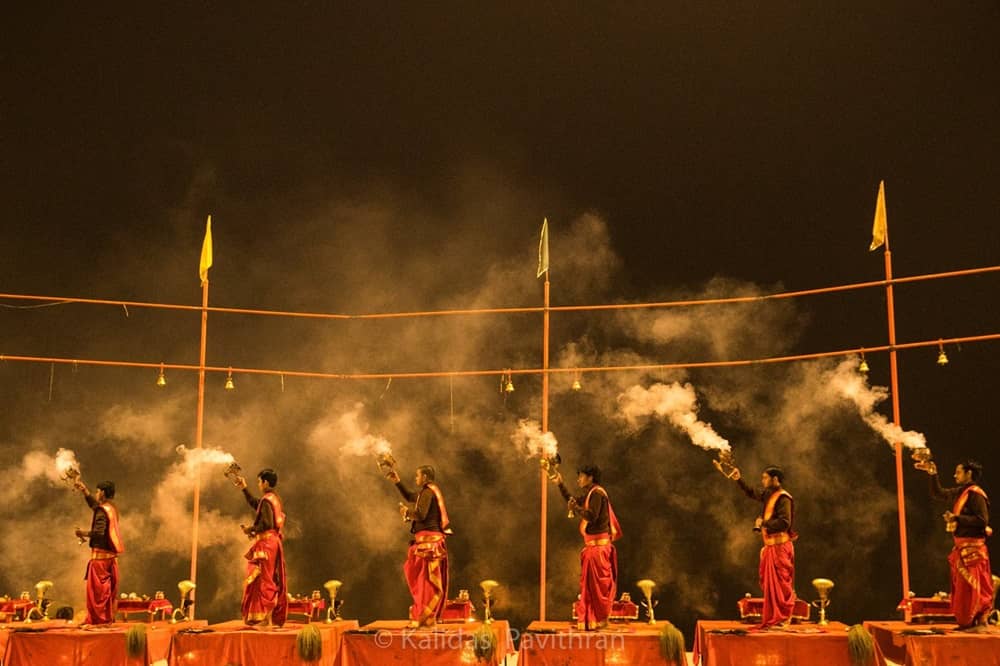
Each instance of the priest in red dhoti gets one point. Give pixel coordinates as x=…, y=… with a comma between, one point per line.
x=968, y=521
x=426, y=566
x=265, y=589
x=777, y=556
x=599, y=529
x=105, y=546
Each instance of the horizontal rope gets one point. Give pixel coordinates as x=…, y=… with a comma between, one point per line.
x=505, y=371
x=59, y=300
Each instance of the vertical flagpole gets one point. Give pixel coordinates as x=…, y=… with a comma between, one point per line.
x=545, y=428
x=894, y=379
x=199, y=423
x=204, y=264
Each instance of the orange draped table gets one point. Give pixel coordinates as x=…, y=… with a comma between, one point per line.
x=234, y=642
x=799, y=644
x=56, y=642
x=390, y=642
x=935, y=644
x=559, y=643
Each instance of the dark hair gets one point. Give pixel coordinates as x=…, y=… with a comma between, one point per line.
x=973, y=466
x=593, y=471
x=775, y=473
x=64, y=613
x=108, y=487
x=270, y=476
x=427, y=471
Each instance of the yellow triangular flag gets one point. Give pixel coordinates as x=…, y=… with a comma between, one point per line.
x=206, y=252
x=543, y=249
x=878, y=226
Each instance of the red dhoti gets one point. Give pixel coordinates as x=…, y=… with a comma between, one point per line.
x=598, y=580
x=777, y=580
x=102, y=587
x=971, y=580
x=426, y=571
x=265, y=590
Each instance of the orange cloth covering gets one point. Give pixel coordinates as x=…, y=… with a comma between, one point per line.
x=235, y=643
x=796, y=646
x=958, y=648
x=72, y=646
x=634, y=643
x=448, y=645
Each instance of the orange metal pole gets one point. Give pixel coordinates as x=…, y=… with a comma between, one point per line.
x=545, y=428
x=904, y=558
x=198, y=428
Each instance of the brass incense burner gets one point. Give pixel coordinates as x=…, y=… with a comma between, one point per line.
x=487, y=587
x=726, y=463
x=386, y=463
x=551, y=465
x=186, y=587
x=40, y=611
x=70, y=476
x=823, y=587
x=923, y=459
x=233, y=473
x=646, y=586
x=333, y=611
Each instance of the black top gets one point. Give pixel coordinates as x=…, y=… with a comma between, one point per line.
x=99, y=535
x=971, y=522
x=265, y=516
x=781, y=517
x=598, y=517
x=426, y=514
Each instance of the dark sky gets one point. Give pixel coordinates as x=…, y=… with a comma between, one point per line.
x=386, y=156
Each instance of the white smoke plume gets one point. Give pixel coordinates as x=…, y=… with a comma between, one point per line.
x=171, y=509
x=530, y=439
x=65, y=461
x=847, y=382
x=349, y=428
x=675, y=403
x=194, y=458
